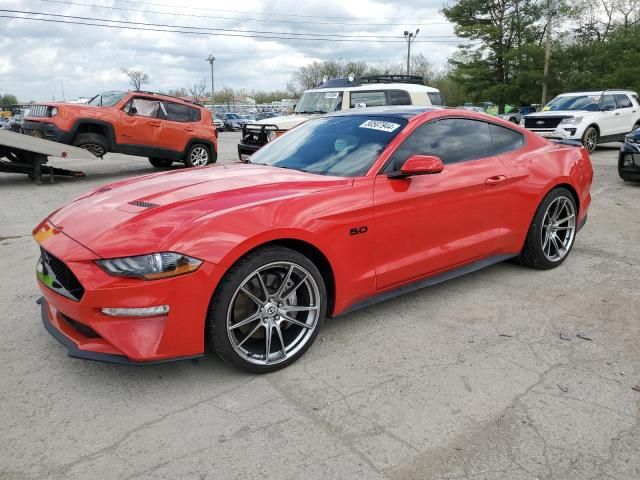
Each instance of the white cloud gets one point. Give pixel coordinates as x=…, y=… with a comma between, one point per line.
x=36, y=57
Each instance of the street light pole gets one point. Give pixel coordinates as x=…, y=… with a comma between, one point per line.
x=410, y=37
x=212, y=59
x=545, y=75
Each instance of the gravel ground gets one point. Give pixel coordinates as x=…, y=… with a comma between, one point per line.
x=483, y=377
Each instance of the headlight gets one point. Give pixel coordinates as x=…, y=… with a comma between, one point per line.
x=631, y=139
x=151, y=267
x=54, y=111
x=570, y=121
x=271, y=136
x=522, y=122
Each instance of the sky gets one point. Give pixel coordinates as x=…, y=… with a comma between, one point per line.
x=39, y=59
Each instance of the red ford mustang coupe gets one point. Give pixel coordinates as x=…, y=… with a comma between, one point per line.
x=340, y=212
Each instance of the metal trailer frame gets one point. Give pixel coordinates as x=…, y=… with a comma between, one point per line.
x=28, y=155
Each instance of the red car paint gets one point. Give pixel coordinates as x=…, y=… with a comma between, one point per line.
x=476, y=209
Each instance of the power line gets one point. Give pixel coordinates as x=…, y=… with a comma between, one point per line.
x=206, y=33
x=188, y=27
x=244, y=19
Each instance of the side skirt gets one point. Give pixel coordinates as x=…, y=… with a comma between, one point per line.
x=427, y=282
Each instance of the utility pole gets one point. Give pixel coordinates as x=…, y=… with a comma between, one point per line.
x=64, y=99
x=547, y=53
x=212, y=59
x=410, y=37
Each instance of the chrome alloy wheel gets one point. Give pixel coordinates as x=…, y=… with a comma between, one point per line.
x=199, y=157
x=558, y=229
x=591, y=139
x=273, y=313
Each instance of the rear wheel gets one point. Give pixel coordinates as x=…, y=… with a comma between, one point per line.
x=94, y=142
x=160, y=162
x=267, y=310
x=590, y=139
x=552, y=231
x=198, y=156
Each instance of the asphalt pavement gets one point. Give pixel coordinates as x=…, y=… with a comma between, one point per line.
x=504, y=374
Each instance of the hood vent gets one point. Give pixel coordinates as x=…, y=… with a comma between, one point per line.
x=141, y=204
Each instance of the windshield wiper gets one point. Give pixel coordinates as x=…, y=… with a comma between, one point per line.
x=313, y=111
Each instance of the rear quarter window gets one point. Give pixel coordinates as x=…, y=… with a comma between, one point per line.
x=435, y=98
x=399, y=97
x=504, y=140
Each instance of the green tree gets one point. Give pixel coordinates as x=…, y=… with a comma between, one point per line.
x=8, y=99
x=505, y=42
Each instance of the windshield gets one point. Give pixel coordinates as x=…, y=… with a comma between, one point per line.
x=341, y=146
x=319, y=102
x=233, y=116
x=590, y=103
x=106, y=99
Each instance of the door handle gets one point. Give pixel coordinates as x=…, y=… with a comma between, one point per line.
x=154, y=124
x=617, y=113
x=495, y=180
x=188, y=129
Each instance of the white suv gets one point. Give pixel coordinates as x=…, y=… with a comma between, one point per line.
x=589, y=117
x=340, y=94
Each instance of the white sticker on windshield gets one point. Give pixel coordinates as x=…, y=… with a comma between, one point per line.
x=331, y=95
x=380, y=125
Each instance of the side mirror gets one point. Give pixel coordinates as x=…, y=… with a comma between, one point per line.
x=132, y=110
x=419, y=165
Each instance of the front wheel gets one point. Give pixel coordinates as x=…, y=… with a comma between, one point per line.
x=552, y=231
x=198, y=156
x=94, y=142
x=590, y=139
x=267, y=310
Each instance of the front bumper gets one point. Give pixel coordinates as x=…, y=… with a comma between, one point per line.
x=558, y=133
x=80, y=325
x=629, y=162
x=48, y=131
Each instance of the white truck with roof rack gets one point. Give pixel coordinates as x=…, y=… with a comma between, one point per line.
x=590, y=117
x=340, y=94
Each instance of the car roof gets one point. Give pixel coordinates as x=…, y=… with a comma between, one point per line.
x=409, y=87
x=596, y=92
x=400, y=111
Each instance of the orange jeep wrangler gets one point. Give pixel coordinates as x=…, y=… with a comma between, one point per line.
x=165, y=129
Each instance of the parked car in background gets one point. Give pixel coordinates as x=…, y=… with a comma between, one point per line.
x=515, y=114
x=163, y=128
x=16, y=123
x=591, y=117
x=249, y=117
x=218, y=123
x=472, y=108
x=629, y=157
x=343, y=211
x=263, y=115
x=233, y=121
x=340, y=94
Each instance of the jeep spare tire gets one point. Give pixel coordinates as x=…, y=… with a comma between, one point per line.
x=94, y=142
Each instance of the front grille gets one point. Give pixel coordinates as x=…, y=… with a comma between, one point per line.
x=542, y=122
x=61, y=276
x=39, y=111
x=80, y=327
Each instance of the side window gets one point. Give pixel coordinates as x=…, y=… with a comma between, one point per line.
x=435, y=98
x=177, y=112
x=368, y=99
x=608, y=102
x=636, y=98
x=144, y=108
x=452, y=139
x=504, y=139
x=623, y=101
x=399, y=97
x=195, y=114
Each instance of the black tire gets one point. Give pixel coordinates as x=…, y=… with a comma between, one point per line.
x=590, y=139
x=94, y=142
x=199, y=155
x=532, y=254
x=160, y=162
x=217, y=333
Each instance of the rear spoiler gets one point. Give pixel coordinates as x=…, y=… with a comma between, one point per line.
x=573, y=143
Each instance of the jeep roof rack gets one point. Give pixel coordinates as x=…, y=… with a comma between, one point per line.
x=146, y=92
x=368, y=79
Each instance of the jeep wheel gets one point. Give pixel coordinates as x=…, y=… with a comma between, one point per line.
x=94, y=142
x=590, y=139
x=198, y=156
x=160, y=162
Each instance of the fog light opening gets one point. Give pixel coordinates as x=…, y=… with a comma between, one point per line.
x=136, y=312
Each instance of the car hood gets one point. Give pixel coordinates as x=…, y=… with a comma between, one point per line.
x=559, y=113
x=146, y=214
x=287, y=122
